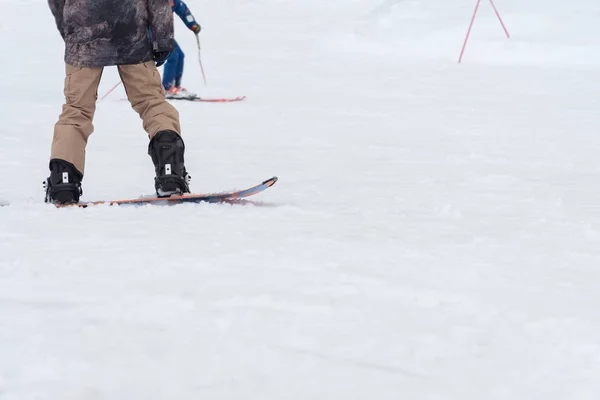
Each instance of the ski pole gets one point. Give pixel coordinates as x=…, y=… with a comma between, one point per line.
x=110, y=91
x=200, y=59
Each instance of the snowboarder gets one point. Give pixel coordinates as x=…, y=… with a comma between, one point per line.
x=136, y=36
x=174, y=67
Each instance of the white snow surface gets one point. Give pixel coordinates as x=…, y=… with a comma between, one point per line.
x=435, y=233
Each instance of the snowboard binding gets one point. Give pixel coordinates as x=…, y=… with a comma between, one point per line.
x=63, y=186
x=167, y=151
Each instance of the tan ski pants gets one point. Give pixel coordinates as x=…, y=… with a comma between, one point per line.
x=145, y=93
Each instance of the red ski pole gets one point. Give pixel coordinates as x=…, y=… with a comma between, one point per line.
x=200, y=59
x=469, y=31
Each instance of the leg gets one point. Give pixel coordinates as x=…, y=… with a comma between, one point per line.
x=170, y=71
x=74, y=125
x=181, y=92
x=179, y=71
x=161, y=120
x=147, y=97
x=71, y=132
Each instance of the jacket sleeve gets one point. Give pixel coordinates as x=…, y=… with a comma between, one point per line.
x=182, y=10
x=57, y=8
x=160, y=18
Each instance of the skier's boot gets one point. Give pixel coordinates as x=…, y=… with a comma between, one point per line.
x=167, y=149
x=63, y=186
x=180, y=93
x=186, y=94
x=173, y=94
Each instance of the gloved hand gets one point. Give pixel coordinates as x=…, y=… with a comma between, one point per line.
x=196, y=28
x=161, y=57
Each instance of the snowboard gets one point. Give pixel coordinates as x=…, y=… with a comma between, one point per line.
x=187, y=198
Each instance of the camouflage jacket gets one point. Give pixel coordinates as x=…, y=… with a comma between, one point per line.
x=113, y=32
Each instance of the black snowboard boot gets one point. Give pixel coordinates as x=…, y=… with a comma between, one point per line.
x=167, y=149
x=63, y=186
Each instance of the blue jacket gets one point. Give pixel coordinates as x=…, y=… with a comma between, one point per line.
x=182, y=10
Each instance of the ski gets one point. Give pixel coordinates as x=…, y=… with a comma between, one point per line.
x=188, y=198
x=210, y=100
x=206, y=100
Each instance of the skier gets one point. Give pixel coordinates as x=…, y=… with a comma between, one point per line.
x=136, y=36
x=174, y=67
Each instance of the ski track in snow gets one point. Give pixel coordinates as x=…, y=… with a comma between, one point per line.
x=434, y=233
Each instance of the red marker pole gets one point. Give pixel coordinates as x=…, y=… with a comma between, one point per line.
x=469, y=31
x=110, y=91
x=499, y=18
x=462, y=51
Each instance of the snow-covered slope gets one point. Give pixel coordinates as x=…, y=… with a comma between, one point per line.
x=435, y=233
